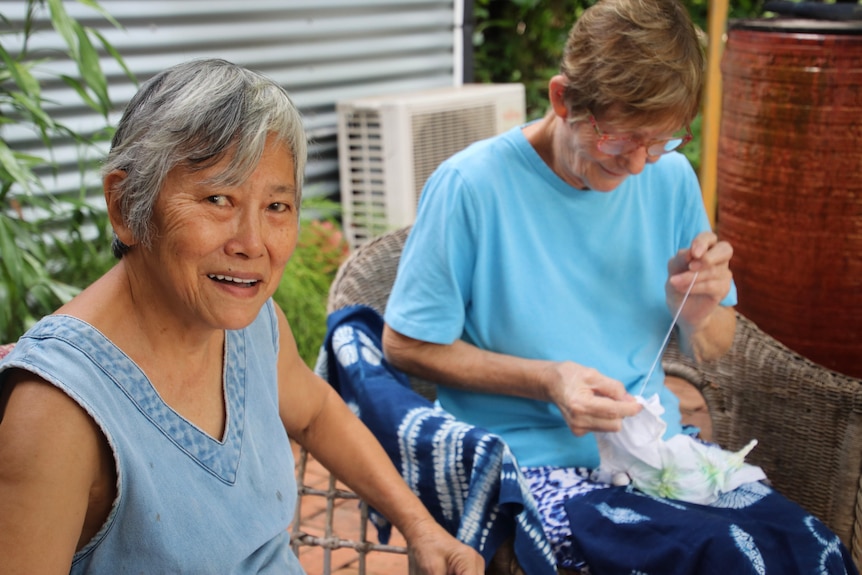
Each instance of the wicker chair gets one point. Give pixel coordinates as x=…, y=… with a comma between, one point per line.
x=807, y=419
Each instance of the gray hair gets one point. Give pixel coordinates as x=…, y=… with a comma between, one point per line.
x=194, y=115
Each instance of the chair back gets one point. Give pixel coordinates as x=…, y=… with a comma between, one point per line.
x=367, y=275
x=366, y=278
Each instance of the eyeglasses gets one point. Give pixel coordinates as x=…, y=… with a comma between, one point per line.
x=618, y=145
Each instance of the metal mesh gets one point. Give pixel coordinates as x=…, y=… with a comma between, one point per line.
x=330, y=540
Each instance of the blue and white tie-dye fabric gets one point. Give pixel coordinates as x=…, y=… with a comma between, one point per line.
x=751, y=530
x=465, y=476
x=550, y=487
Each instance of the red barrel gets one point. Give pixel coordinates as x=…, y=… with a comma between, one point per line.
x=789, y=182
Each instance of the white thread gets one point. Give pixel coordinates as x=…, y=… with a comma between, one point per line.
x=667, y=336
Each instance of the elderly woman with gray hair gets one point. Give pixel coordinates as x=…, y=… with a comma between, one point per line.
x=145, y=424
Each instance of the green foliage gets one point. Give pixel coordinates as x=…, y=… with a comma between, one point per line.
x=47, y=242
x=304, y=286
x=82, y=253
x=522, y=41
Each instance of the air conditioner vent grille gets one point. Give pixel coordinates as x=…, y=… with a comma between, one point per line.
x=367, y=193
x=437, y=135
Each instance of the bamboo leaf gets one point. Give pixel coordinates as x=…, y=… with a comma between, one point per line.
x=12, y=261
x=39, y=296
x=33, y=268
x=97, y=7
x=116, y=55
x=81, y=90
x=91, y=71
x=64, y=26
x=39, y=268
x=32, y=5
x=20, y=73
x=38, y=114
x=16, y=170
x=61, y=291
x=6, y=329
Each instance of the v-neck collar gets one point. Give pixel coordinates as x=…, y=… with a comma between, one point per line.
x=219, y=456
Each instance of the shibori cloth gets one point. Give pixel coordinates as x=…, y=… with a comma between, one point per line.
x=466, y=477
x=752, y=530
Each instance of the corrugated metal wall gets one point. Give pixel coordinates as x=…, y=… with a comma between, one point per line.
x=320, y=50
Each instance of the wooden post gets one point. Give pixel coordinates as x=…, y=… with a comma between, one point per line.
x=716, y=24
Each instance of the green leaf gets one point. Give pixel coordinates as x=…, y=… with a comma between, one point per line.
x=16, y=169
x=20, y=73
x=32, y=6
x=34, y=107
x=6, y=329
x=65, y=26
x=97, y=7
x=116, y=55
x=39, y=296
x=63, y=292
x=12, y=261
x=82, y=91
x=91, y=71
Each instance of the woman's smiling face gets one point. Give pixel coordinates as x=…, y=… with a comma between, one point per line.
x=219, y=251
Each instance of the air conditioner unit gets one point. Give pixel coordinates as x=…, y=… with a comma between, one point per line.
x=389, y=145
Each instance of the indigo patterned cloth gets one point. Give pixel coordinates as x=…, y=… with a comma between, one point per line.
x=465, y=476
x=752, y=530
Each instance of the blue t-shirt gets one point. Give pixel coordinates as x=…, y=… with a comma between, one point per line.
x=508, y=257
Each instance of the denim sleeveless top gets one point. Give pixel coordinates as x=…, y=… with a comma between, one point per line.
x=186, y=502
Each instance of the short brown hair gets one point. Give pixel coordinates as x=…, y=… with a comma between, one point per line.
x=641, y=58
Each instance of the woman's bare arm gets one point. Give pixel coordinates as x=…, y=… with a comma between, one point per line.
x=50, y=460
x=588, y=400
x=316, y=417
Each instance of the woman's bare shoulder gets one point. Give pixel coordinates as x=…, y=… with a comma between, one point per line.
x=35, y=414
x=51, y=456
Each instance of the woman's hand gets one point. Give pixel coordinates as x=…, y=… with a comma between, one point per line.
x=710, y=259
x=436, y=552
x=589, y=400
x=707, y=328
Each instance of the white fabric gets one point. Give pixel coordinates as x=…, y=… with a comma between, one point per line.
x=680, y=468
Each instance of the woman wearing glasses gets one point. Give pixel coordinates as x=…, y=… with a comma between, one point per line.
x=543, y=271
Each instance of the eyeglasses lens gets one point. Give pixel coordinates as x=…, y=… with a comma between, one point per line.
x=616, y=147
x=665, y=147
